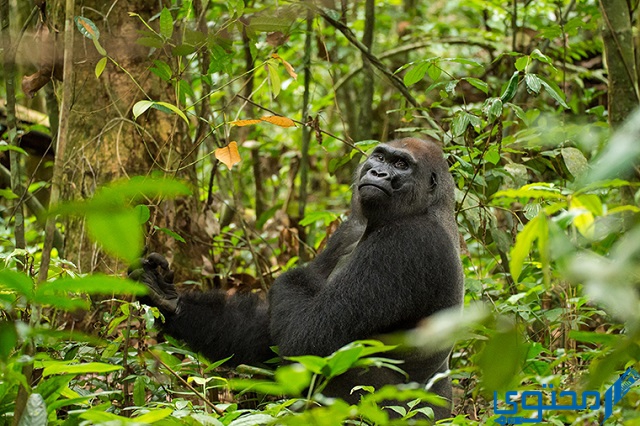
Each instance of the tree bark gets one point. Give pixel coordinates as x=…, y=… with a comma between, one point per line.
x=618, y=40
x=105, y=143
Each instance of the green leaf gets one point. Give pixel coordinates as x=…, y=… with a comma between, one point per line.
x=416, y=73
x=118, y=231
x=511, y=89
x=143, y=213
x=501, y=360
x=492, y=109
x=533, y=83
x=92, y=284
x=342, y=360
x=102, y=63
x=183, y=50
x=166, y=23
x=162, y=70
x=171, y=233
x=293, y=378
x=61, y=367
x=153, y=416
x=140, y=107
x=8, y=339
x=313, y=363
x=17, y=282
x=539, y=56
x=553, y=90
x=493, y=154
x=524, y=240
x=522, y=62
x=274, y=78
x=6, y=147
x=478, y=84
x=87, y=27
x=155, y=42
x=174, y=109
x=139, y=391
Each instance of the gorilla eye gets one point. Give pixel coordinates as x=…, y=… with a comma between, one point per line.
x=378, y=157
x=401, y=164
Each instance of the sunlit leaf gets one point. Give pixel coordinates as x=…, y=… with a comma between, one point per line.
x=228, y=155
x=92, y=284
x=87, y=368
x=140, y=107
x=524, y=241
x=174, y=109
x=279, y=120
x=584, y=220
x=241, y=123
x=100, y=66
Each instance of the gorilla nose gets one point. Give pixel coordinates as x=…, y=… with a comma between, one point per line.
x=379, y=174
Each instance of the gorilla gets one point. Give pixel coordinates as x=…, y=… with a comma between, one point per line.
x=393, y=262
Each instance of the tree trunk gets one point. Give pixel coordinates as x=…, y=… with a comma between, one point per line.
x=620, y=57
x=106, y=143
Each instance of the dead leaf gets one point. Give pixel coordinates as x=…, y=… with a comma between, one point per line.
x=228, y=155
x=241, y=123
x=279, y=120
x=287, y=66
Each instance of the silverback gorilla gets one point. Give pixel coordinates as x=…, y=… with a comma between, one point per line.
x=394, y=262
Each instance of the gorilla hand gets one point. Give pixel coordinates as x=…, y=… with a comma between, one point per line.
x=156, y=275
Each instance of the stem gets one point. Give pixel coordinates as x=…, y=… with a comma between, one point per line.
x=306, y=131
x=62, y=137
x=12, y=125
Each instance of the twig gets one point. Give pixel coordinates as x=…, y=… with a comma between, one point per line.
x=186, y=384
x=331, y=135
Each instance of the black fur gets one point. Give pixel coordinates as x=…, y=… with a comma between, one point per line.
x=392, y=263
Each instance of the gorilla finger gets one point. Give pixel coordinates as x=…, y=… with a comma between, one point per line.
x=135, y=274
x=154, y=260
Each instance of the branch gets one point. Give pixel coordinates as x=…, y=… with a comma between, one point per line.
x=393, y=79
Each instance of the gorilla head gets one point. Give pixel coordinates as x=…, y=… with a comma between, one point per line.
x=405, y=177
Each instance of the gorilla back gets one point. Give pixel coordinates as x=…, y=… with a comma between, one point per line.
x=394, y=262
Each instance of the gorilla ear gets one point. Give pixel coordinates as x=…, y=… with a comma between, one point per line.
x=434, y=181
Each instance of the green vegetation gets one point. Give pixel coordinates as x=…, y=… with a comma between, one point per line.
x=226, y=133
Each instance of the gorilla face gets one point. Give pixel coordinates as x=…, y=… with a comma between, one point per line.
x=399, y=179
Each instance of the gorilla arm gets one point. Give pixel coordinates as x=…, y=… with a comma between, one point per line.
x=395, y=276
x=211, y=323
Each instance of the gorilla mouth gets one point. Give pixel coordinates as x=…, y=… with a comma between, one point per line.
x=373, y=185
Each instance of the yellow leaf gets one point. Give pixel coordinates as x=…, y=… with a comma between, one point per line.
x=241, y=123
x=583, y=220
x=278, y=120
x=287, y=66
x=229, y=154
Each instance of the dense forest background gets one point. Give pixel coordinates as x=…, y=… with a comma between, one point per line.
x=224, y=134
